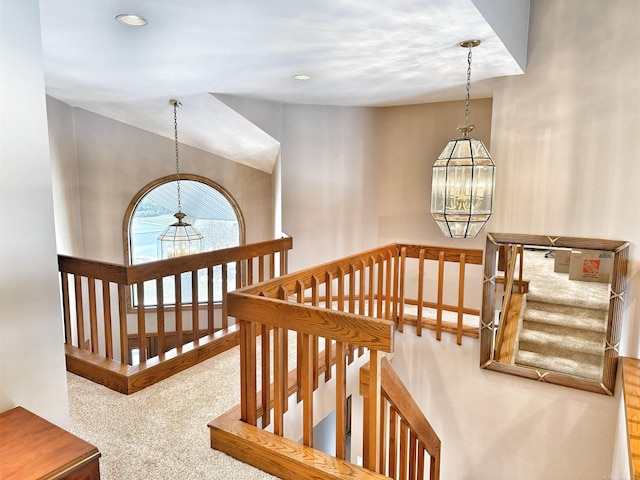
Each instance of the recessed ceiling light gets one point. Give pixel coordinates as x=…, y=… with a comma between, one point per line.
x=131, y=20
x=302, y=76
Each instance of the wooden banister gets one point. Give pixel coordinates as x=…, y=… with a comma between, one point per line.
x=349, y=306
x=408, y=435
x=86, y=284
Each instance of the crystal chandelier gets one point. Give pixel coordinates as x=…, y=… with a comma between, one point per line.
x=179, y=238
x=463, y=178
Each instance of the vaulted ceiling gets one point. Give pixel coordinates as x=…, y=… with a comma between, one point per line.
x=358, y=53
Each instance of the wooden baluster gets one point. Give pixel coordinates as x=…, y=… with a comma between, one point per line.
x=328, y=342
x=380, y=287
x=388, y=298
x=402, y=278
x=265, y=346
x=461, y=298
x=122, y=315
x=79, y=310
x=393, y=443
x=93, y=315
x=371, y=309
x=248, y=380
x=178, y=311
x=64, y=277
x=440, y=295
x=106, y=318
x=225, y=279
x=434, y=467
x=315, y=301
x=396, y=294
x=307, y=391
x=420, y=292
x=362, y=287
x=341, y=399
x=300, y=346
x=272, y=266
x=210, y=302
x=404, y=452
x=142, y=333
x=352, y=303
x=383, y=436
x=280, y=376
x=160, y=319
x=413, y=451
x=239, y=274
x=249, y=280
x=373, y=431
x=421, y=453
x=261, y=268
x=195, y=311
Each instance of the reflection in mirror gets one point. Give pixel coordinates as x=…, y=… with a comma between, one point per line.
x=552, y=308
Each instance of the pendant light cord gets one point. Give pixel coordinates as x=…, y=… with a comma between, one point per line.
x=466, y=110
x=175, y=130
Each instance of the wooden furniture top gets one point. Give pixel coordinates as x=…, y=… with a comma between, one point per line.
x=33, y=448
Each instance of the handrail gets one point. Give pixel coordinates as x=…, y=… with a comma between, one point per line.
x=98, y=315
x=511, y=254
x=408, y=439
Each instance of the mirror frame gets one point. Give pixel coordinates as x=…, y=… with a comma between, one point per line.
x=617, y=289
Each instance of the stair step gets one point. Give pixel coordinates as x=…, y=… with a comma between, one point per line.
x=539, y=336
x=570, y=366
x=583, y=319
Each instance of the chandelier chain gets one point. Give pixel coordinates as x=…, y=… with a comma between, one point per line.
x=466, y=109
x=175, y=130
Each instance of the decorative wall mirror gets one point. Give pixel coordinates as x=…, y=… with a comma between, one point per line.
x=552, y=308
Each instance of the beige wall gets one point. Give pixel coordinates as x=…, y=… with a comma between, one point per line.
x=329, y=184
x=64, y=178
x=116, y=160
x=563, y=137
x=32, y=369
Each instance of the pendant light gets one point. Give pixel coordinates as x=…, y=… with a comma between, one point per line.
x=463, y=178
x=179, y=238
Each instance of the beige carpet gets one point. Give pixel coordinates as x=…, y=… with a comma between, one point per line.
x=161, y=432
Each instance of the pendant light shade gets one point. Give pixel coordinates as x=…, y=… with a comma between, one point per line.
x=463, y=179
x=179, y=238
x=462, y=188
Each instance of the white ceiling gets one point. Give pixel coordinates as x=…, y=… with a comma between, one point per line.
x=359, y=53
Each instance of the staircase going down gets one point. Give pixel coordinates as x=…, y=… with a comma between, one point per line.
x=563, y=323
x=561, y=337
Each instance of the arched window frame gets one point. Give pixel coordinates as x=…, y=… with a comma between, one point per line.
x=171, y=178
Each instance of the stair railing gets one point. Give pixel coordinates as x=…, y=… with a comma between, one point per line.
x=335, y=312
x=407, y=439
x=105, y=311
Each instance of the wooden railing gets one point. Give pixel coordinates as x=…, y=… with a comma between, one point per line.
x=336, y=312
x=406, y=437
x=512, y=253
x=104, y=302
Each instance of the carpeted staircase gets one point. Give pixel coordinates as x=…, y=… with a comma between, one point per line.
x=562, y=325
x=563, y=338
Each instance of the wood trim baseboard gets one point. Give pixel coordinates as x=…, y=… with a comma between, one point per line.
x=129, y=379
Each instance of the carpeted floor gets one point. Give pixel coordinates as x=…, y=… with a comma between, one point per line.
x=161, y=432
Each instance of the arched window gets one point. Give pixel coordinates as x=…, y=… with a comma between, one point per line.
x=209, y=208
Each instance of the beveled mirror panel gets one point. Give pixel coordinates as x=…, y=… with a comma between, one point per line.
x=552, y=308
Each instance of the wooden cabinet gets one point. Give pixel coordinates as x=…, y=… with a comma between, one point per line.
x=33, y=448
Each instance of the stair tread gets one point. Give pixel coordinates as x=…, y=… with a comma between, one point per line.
x=582, y=322
x=592, y=345
x=559, y=364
